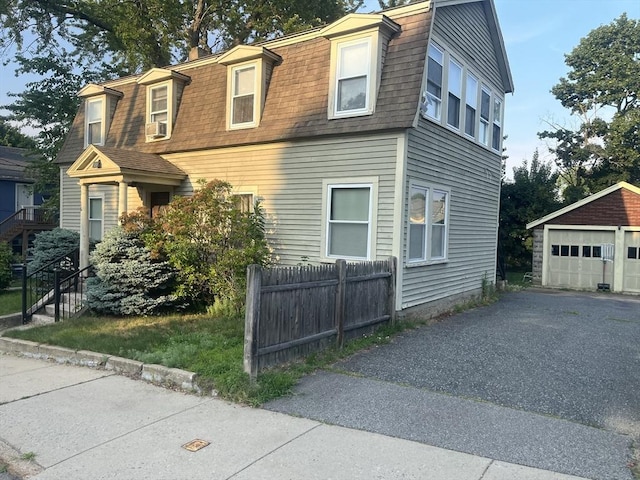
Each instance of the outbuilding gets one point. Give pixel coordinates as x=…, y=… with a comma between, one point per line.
x=591, y=244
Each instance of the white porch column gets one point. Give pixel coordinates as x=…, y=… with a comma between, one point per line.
x=84, y=225
x=122, y=198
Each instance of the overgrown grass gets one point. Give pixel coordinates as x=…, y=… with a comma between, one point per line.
x=211, y=347
x=10, y=302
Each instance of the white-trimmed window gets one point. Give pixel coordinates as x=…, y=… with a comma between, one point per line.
x=353, y=77
x=94, y=114
x=159, y=104
x=455, y=94
x=485, y=107
x=428, y=224
x=349, y=221
x=95, y=219
x=244, y=201
x=243, y=96
x=471, y=106
x=434, y=82
x=497, y=124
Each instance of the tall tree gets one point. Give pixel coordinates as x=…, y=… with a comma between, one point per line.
x=601, y=89
x=11, y=136
x=69, y=43
x=532, y=194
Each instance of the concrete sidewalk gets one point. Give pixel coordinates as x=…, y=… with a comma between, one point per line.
x=80, y=423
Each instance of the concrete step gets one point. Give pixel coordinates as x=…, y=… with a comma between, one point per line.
x=41, y=319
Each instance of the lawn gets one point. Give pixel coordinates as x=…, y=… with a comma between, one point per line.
x=211, y=347
x=10, y=302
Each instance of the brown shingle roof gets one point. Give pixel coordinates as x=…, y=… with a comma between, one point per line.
x=134, y=160
x=295, y=105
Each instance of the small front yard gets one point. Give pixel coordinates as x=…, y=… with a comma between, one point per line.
x=10, y=302
x=210, y=347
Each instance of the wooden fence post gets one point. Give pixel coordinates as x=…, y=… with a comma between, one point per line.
x=392, y=288
x=341, y=270
x=252, y=320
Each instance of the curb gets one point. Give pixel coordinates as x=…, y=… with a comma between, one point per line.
x=173, y=378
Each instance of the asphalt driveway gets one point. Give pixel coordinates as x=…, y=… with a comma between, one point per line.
x=548, y=379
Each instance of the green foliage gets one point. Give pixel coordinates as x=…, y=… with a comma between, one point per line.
x=10, y=136
x=129, y=281
x=51, y=245
x=603, y=82
x=6, y=257
x=210, y=242
x=531, y=195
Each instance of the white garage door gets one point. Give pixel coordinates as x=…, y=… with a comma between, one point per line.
x=574, y=259
x=631, y=262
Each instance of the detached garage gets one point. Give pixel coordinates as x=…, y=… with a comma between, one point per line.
x=591, y=244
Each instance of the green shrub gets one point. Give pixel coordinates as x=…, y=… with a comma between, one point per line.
x=129, y=280
x=6, y=257
x=210, y=242
x=50, y=245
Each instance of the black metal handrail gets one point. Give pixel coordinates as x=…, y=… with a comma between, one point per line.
x=69, y=292
x=38, y=288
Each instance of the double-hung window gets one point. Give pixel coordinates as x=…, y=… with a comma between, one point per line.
x=353, y=77
x=428, y=224
x=159, y=107
x=95, y=121
x=349, y=221
x=455, y=94
x=434, y=82
x=497, y=124
x=485, y=106
x=243, y=96
x=472, y=105
x=95, y=218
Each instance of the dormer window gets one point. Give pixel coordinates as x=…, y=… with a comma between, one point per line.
x=248, y=74
x=357, y=45
x=243, y=96
x=99, y=105
x=353, y=77
x=164, y=89
x=158, y=111
x=94, y=114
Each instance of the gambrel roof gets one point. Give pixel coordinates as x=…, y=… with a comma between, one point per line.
x=297, y=84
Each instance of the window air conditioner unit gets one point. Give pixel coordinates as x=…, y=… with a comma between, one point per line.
x=156, y=130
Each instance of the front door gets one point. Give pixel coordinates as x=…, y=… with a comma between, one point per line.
x=24, y=198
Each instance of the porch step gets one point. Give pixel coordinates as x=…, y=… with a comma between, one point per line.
x=42, y=319
x=68, y=306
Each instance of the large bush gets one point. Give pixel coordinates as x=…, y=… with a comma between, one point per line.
x=210, y=241
x=51, y=245
x=6, y=257
x=129, y=280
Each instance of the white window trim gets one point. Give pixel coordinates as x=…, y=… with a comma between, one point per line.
x=101, y=198
x=476, y=124
x=257, y=94
x=103, y=117
x=373, y=43
x=169, y=84
x=426, y=92
x=247, y=190
x=429, y=260
x=443, y=120
x=460, y=95
x=495, y=99
x=355, y=182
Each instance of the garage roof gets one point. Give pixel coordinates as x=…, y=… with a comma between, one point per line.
x=583, y=202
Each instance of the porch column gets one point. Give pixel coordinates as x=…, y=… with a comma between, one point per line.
x=122, y=198
x=84, y=225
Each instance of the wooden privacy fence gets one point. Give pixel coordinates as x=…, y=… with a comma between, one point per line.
x=294, y=311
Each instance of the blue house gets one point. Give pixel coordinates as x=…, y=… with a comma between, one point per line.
x=20, y=216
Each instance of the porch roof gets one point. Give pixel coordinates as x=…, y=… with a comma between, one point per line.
x=99, y=164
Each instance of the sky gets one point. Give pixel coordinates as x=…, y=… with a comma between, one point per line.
x=537, y=35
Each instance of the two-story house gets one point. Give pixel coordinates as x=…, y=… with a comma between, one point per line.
x=377, y=135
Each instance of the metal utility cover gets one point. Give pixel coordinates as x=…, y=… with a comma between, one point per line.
x=195, y=445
